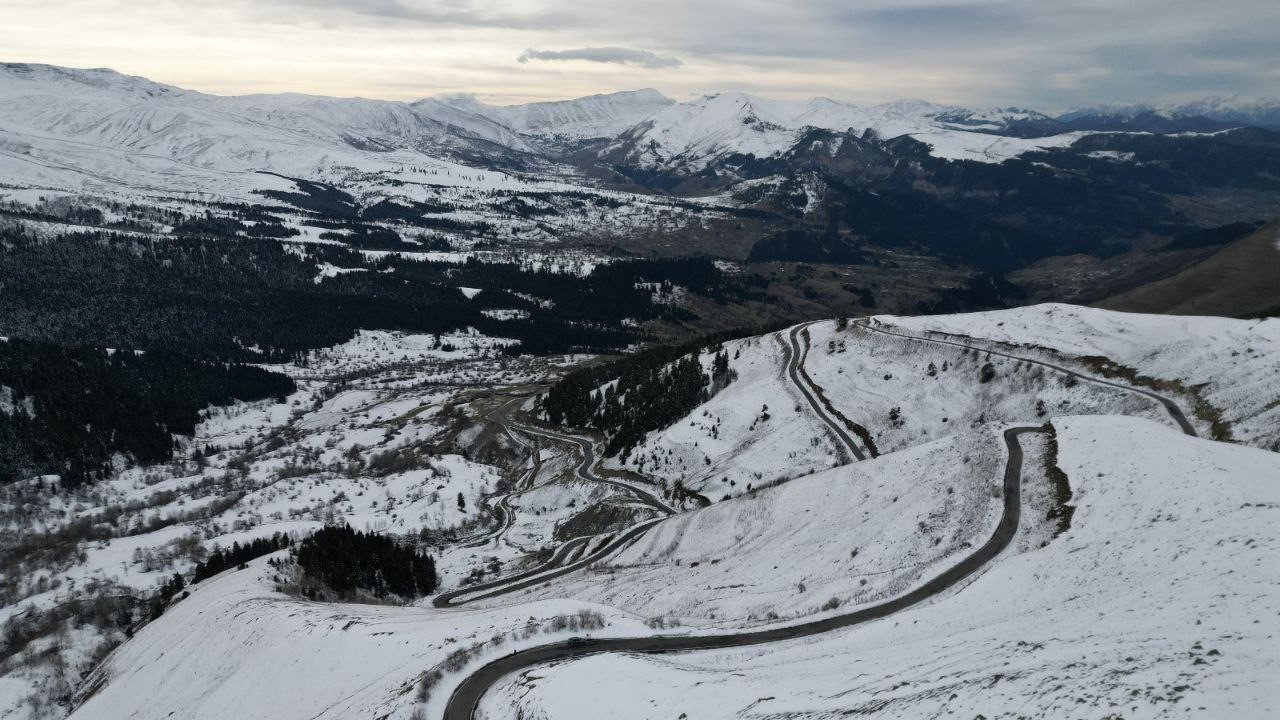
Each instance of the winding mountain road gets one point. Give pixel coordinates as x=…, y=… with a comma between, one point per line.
x=796, y=353
x=466, y=696
x=569, y=557
x=587, y=463
x=1170, y=406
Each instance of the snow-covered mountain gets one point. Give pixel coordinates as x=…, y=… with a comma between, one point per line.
x=695, y=134
x=108, y=109
x=1197, y=115
x=594, y=116
x=1154, y=592
x=64, y=125
x=101, y=134
x=298, y=134
x=1251, y=111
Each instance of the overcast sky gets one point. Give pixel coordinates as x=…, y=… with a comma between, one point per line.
x=1049, y=55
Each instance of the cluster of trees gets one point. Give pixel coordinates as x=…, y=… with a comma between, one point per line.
x=252, y=299
x=347, y=562
x=658, y=399
x=237, y=555
x=643, y=392
x=69, y=411
x=206, y=298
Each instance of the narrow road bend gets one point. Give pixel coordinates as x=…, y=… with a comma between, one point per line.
x=557, y=566
x=1170, y=406
x=796, y=353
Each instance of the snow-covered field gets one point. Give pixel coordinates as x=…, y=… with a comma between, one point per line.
x=906, y=391
x=99, y=134
x=903, y=391
x=237, y=649
x=1160, y=601
x=368, y=440
x=754, y=432
x=693, y=134
x=1236, y=363
x=840, y=537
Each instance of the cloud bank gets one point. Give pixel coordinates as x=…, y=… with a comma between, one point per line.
x=620, y=55
x=1046, y=55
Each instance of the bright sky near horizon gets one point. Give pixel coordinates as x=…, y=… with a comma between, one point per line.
x=1008, y=52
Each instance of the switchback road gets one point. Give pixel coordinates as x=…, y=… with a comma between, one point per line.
x=573, y=555
x=1170, y=406
x=462, y=703
x=795, y=372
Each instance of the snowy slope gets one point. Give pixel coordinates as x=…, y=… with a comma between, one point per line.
x=886, y=384
x=755, y=431
x=97, y=130
x=694, y=134
x=238, y=649
x=844, y=536
x=1236, y=361
x=97, y=134
x=1158, y=602
x=906, y=391
x=1264, y=112
x=108, y=108
x=593, y=116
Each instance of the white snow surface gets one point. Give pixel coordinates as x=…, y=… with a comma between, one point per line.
x=847, y=535
x=593, y=116
x=99, y=131
x=1160, y=601
x=237, y=649
x=1237, y=361
x=728, y=445
x=696, y=133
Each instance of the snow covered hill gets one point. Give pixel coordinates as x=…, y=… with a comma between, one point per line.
x=237, y=649
x=836, y=538
x=1260, y=112
x=594, y=116
x=71, y=128
x=689, y=136
x=1158, y=602
x=1234, y=365
x=97, y=136
x=1153, y=597
x=908, y=390
x=610, y=169
x=105, y=107
x=64, y=119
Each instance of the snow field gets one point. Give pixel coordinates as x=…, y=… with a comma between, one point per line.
x=1158, y=602
x=754, y=432
x=840, y=537
x=1236, y=361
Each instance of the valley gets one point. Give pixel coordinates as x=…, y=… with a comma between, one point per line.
x=319, y=408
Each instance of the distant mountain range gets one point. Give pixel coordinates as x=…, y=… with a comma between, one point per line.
x=755, y=178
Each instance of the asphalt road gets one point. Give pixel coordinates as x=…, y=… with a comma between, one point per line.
x=560, y=563
x=462, y=703
x=795, y=359
x=553, y=568
x=1170, y=406
x=587, y=463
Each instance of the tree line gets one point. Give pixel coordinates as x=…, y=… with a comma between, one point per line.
x=69, y=411
x=347, y=561
x=259, y=300
x=637, y=394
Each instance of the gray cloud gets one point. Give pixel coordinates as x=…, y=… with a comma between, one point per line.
x=1051, y=56
x=620, y=55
